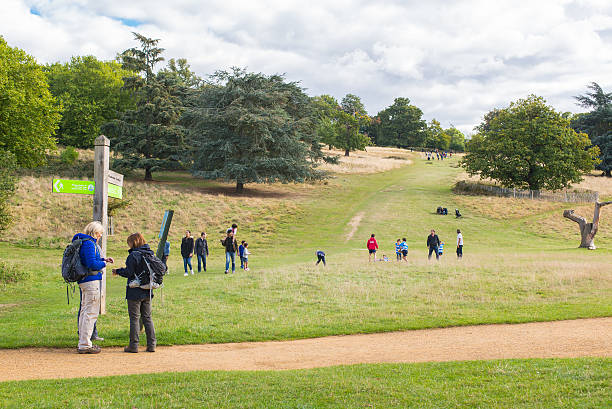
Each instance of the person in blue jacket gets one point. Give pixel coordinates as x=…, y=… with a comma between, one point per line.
x=89, y=286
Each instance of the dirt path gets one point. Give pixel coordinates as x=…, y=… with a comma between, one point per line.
x=577, y=338
x=354, y=223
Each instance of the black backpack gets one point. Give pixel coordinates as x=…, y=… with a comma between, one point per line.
x=72, y=268
x=155, y=270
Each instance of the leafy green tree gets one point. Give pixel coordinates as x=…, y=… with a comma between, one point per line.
x=180, y=71
x=349, y=131
x=597, y=123
x=91, y=94
x=457, y=139
x=326, y=108
x=352, y=104
x=8, y=164
x=529, y=145
x=253, y=128
x=436, y=138
x=28, y=112
x=148, y=137
x=401, y=124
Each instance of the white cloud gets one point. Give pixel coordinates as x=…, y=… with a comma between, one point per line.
x=455, y=60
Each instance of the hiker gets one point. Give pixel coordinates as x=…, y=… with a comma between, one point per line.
x=404, y=249
x=166, y=254
x=459, y=244
x=89, y=287
x=138, y=299
x=245, y=255
x=320, y=257
x=187, y=247
x=201, y=251
x=230, y=250
x=398, y=250
x=433, y=242
x=372, y=246
x=241, y=253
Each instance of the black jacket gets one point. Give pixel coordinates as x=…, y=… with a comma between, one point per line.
x=134, y=265
x=433, y=241
x=230, y=244
x=201, y=246
x=187, y=246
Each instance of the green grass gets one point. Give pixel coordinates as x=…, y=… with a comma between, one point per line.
x=512, y=271
x=551, y=383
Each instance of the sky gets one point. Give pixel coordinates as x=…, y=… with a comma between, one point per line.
x=456, y=60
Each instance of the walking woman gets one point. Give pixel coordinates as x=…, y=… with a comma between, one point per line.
x=139, y=303
x=231, y=246
x=187, y=247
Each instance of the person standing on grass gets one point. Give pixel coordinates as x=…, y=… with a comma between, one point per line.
x=201, y=251
x=138, y=300
x=404, y=249
x=372, y=246
x=187, y=247
x=398, y=250
x=320, y=257
x=433, y=242
x=89, y=287
x=245, y=255
x=459, y=244
x=230, y=250
x=241, y=253
x=166, y=254
x=235, y=229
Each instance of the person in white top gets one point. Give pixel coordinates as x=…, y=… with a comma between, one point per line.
x=459, y=244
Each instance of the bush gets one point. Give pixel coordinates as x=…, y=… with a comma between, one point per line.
x=7, y=187
x=69, y=156
x=11, y=274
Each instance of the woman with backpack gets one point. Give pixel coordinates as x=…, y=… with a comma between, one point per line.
x=138, y=299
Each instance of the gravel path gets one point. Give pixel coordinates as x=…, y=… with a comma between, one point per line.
x=576, y=338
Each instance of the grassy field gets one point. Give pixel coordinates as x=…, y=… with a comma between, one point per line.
x=521, y=262
x=554, y=383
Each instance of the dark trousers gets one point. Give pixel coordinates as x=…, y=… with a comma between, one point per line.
x=320, y=258
x=460, y=250
x=242, y=262
x=432, y=250
x=94, y=334
x=164, y=259
x=141, y=309
x=201, y=261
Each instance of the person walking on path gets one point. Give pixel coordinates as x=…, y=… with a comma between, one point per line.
x=89, y=287
x=187, y=247
x=433, y=242
x=230, y=250
x=138, y=300
x=372, y=246
x=201, y=251
x=459, y=244
x=320, y=257
x=166, y=254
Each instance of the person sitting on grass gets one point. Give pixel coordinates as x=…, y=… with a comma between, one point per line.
x=372, y=246
x=398, y=250
x=320, y=257
x=404, y=249
x=245, y=255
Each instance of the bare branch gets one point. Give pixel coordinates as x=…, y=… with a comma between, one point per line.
x=569, y=214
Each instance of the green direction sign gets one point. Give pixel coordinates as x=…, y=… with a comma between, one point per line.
x=84, y=187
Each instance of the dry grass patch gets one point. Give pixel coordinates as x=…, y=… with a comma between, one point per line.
x=503, y=208
x=374, y=160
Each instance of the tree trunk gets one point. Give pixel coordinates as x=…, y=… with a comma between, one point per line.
x=239, y=187
x=346, y=152
x=587, y=230
x=148, y=174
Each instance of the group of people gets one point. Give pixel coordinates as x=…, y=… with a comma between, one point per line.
x=199, y=247
x=440, y=155
x=435, y=246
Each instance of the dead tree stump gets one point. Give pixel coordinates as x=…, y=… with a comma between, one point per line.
x=587, y=230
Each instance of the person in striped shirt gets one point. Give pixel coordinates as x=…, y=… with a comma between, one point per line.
x=404, y=249
x=398, y=250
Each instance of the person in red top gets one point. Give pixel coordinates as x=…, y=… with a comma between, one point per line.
x=372, y=247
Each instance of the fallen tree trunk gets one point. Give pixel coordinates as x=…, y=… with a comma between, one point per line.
x=587, y=230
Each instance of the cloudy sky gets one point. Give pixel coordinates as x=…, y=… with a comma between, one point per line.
x=455, y=60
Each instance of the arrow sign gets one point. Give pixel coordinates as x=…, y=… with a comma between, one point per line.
x=83, y=187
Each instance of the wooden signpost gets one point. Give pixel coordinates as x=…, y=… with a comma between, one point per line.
x=100, y=201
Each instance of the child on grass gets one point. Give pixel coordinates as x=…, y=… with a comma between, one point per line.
x=398, y=250
x=404, y=249
x=245, y=255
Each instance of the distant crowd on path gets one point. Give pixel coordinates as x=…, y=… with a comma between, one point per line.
x=435, y=246
x=440, y=155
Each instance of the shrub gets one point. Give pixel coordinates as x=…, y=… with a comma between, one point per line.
x=11, y=274
x=7, y=187
x=69, y=156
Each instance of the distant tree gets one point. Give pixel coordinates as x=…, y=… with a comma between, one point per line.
x=349, y=131
x=180, y=70
x=529, y=144
x=457, y=139
x=91, y=94
x=401, y=124
x=253, y=128
x=326, y=109
x=597, y=123
x=352, y=104
x=148, y=137
x=8, y=164
x=28, y=112
x=436, y=138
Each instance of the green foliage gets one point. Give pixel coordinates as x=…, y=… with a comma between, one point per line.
x=351, y=104
x=457, y=139
x=28, y=112
x=8, y=166
x=69, y=156
x=114, y=205
x=436, y=138
x=401, y=124
x=529, y=145
x=597, y=124
x=91, y=94
x=10, y=273
x=180, y=71
x=326, y=107
x=252, y=128
x=148, y=137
